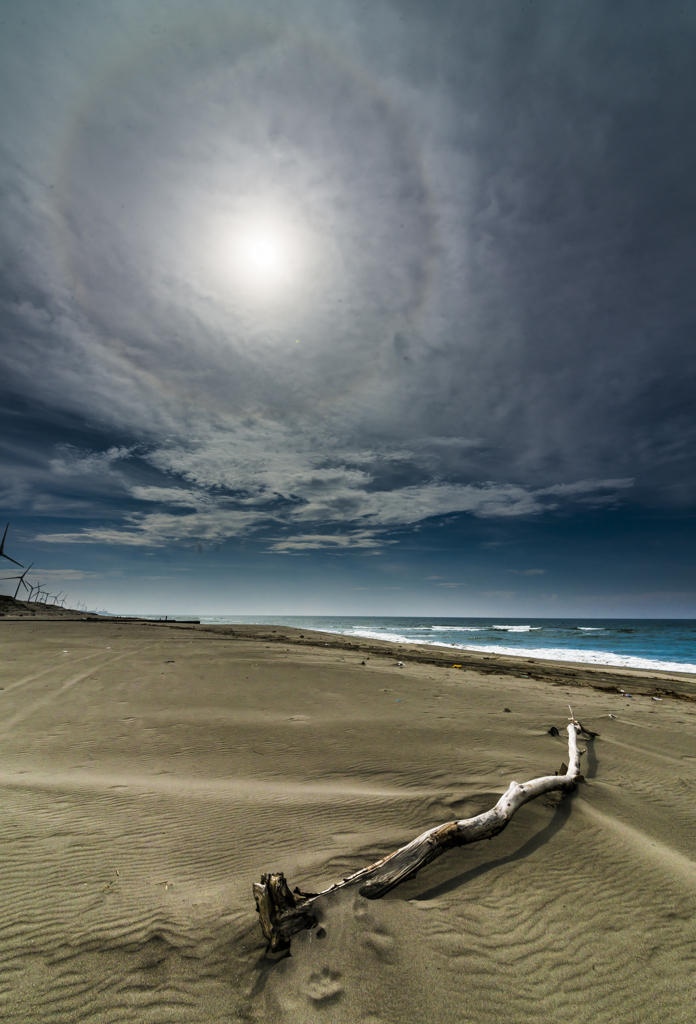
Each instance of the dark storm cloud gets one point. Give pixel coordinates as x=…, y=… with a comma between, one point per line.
x=489, y=307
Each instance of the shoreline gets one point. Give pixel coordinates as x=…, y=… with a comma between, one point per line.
x=12, y=610
x=559, y=673
x=606, y=678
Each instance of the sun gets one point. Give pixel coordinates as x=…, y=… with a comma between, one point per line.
x=259, y=255
x=264, y=255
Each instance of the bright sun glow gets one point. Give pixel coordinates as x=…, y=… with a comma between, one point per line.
x=263, y=252
x=264, y=255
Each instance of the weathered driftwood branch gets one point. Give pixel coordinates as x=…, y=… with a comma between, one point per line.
x=283, y=913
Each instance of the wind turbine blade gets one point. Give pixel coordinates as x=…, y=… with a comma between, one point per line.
x=21, y=580
x=2, y=549
x=2, y=553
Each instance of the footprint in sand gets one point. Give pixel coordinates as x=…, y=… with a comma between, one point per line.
x=323, y=986
x=380, y=943
x=375, y=937
x=361, y=911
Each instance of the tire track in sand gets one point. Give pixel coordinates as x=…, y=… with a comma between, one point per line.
x=46, y=671
x=30, y=709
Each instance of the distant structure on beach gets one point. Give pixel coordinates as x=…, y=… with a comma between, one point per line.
x=34, y=591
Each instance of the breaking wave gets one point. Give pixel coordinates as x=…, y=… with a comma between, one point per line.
x=589, y=657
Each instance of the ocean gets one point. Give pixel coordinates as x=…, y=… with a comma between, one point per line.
x=668, y=644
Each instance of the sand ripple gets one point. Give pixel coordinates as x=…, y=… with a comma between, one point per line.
x=144, y=789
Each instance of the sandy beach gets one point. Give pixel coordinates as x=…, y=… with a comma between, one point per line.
x=152, y=771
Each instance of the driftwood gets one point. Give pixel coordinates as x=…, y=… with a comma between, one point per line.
x=283, y=913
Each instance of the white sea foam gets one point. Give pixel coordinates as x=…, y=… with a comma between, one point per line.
x=393, y=638
x=548, y=653
x=587, y=657
x=517, y=629
x=370, y=634
x=587, y=629
x=457, y=629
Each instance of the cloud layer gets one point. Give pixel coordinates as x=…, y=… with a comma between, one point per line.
x=250, y=489
x=484, y=306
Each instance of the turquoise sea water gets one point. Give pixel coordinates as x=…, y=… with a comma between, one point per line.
x=632, y=643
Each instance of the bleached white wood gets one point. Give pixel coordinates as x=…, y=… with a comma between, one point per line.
x=284, y=913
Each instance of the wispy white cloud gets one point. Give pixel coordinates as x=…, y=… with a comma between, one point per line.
x=72, y=461
x=587, y=486
x=252, y=478
x=67, y=575
x=328, y=542
x=186, y=498
x=160, y=528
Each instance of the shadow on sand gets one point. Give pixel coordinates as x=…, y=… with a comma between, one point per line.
x=533, y=844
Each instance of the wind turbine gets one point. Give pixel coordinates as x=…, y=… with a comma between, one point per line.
x=55, y=599
x=2, y=549
x=22, y=582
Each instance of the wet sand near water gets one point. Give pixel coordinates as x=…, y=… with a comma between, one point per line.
x=150, y=772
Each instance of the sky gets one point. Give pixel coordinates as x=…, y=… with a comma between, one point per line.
x=335, y=307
